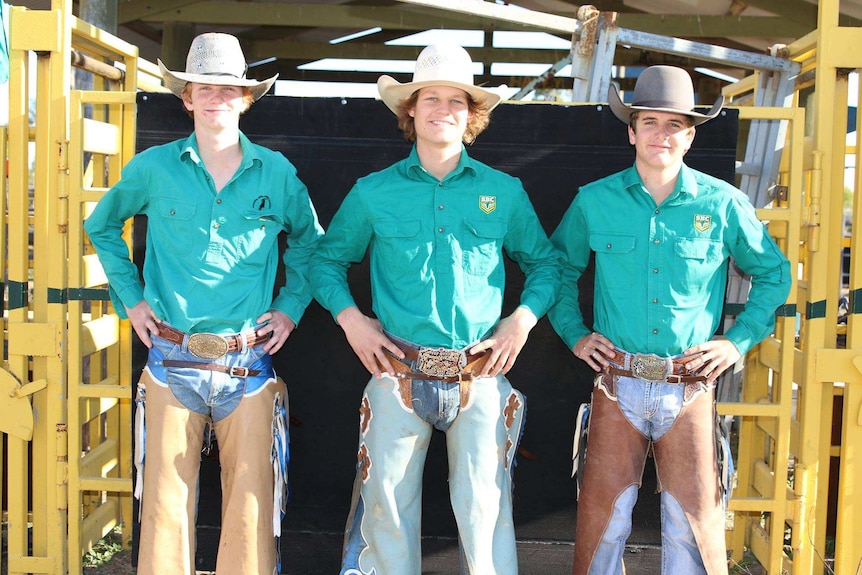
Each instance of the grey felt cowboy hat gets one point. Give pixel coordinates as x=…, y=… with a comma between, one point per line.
x=215, y=58
x=662, y=89
x=437, y=65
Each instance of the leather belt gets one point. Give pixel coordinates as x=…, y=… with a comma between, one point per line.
x=440, y=364
x=232, y=370
x=212, y=345
x=652, y=367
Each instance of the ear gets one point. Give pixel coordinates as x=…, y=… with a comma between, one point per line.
x=187, y=102
x=631, y=135
x=690, y=137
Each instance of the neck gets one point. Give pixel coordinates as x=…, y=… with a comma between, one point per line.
x=216, y=143
x=659, y=182
x=221, y=154
x=438, y=160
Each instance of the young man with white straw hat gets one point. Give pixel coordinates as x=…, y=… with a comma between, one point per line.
x=436, y=225
x=215, y=205
x=662, y=235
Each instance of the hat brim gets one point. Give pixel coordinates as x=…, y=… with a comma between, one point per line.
x=392, y=92
x=176, y=82
x=624, y=111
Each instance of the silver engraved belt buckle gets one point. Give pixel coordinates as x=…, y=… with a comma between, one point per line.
x=207, y=345
x=440, y=362
x=650, y=367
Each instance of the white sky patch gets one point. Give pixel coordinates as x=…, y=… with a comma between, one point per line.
x=533, y=40
x=465, y=38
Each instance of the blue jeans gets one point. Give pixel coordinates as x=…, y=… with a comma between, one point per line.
x=209, y=392
x=652, y=408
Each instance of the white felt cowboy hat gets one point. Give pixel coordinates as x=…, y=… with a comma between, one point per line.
x=215, y=59
x=662, y=89
x=437, y=65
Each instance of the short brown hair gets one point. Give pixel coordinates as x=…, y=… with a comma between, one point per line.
x=247, y=97
x=480, y=116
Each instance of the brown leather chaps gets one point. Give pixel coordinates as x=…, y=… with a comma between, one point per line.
x=686, y=466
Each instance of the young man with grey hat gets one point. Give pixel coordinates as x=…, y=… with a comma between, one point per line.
x=215, y=205
x=662, y=234
x=435, y=226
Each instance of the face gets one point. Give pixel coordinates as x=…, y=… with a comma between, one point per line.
x=661, y=139
x=441, y=115
x=214, y=105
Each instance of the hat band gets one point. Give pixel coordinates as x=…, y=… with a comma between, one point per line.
x=661, y=104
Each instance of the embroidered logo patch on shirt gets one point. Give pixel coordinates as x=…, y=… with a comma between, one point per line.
x=488, y=203
x=262, y=203
x=702, y=222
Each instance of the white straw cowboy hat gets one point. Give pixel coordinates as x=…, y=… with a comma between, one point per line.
x=215, y=59
x=437, y=65
x=662, y=89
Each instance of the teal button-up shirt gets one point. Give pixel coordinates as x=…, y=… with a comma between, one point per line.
x=436, y=250
x=211, y=258
x=661, y=270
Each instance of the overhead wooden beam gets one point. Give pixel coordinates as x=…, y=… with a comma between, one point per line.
x=307, y=15
x=625, y=36
x=714, y=26
x=260, y=49
x=799, y=11
x=795, y=10
x=140, y=9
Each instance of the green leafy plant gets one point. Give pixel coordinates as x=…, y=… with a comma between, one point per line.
x=104, y=550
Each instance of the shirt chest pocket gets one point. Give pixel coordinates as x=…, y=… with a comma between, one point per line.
x=172, y=223
x=257, y=235
x=482, y=246
x=616, y=263
x=399, y=245
x=695, y=261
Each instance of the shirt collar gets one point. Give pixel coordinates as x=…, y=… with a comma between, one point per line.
x=686, y=183
x=250, y=155
x=465, y=164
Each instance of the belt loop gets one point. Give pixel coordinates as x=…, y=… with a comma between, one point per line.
x=244, y=341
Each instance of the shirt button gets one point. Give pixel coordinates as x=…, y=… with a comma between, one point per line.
x=655, y=300
x=173, y=212
x=215, y=225
x=218, y=201
x=609, y=246
x=440, y=230
x=655, y=331
x=655, y=270
x=655, y=241
x=657, y=211
x=440, y=207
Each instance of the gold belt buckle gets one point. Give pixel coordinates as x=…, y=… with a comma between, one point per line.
x=650, y=367
x=440, y=362
x=207, y=345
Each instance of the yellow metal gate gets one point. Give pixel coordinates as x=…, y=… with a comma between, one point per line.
x=65, y=396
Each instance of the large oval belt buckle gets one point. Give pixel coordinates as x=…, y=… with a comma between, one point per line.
x=440, y=362
x=650, y=367
x=207, y=345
